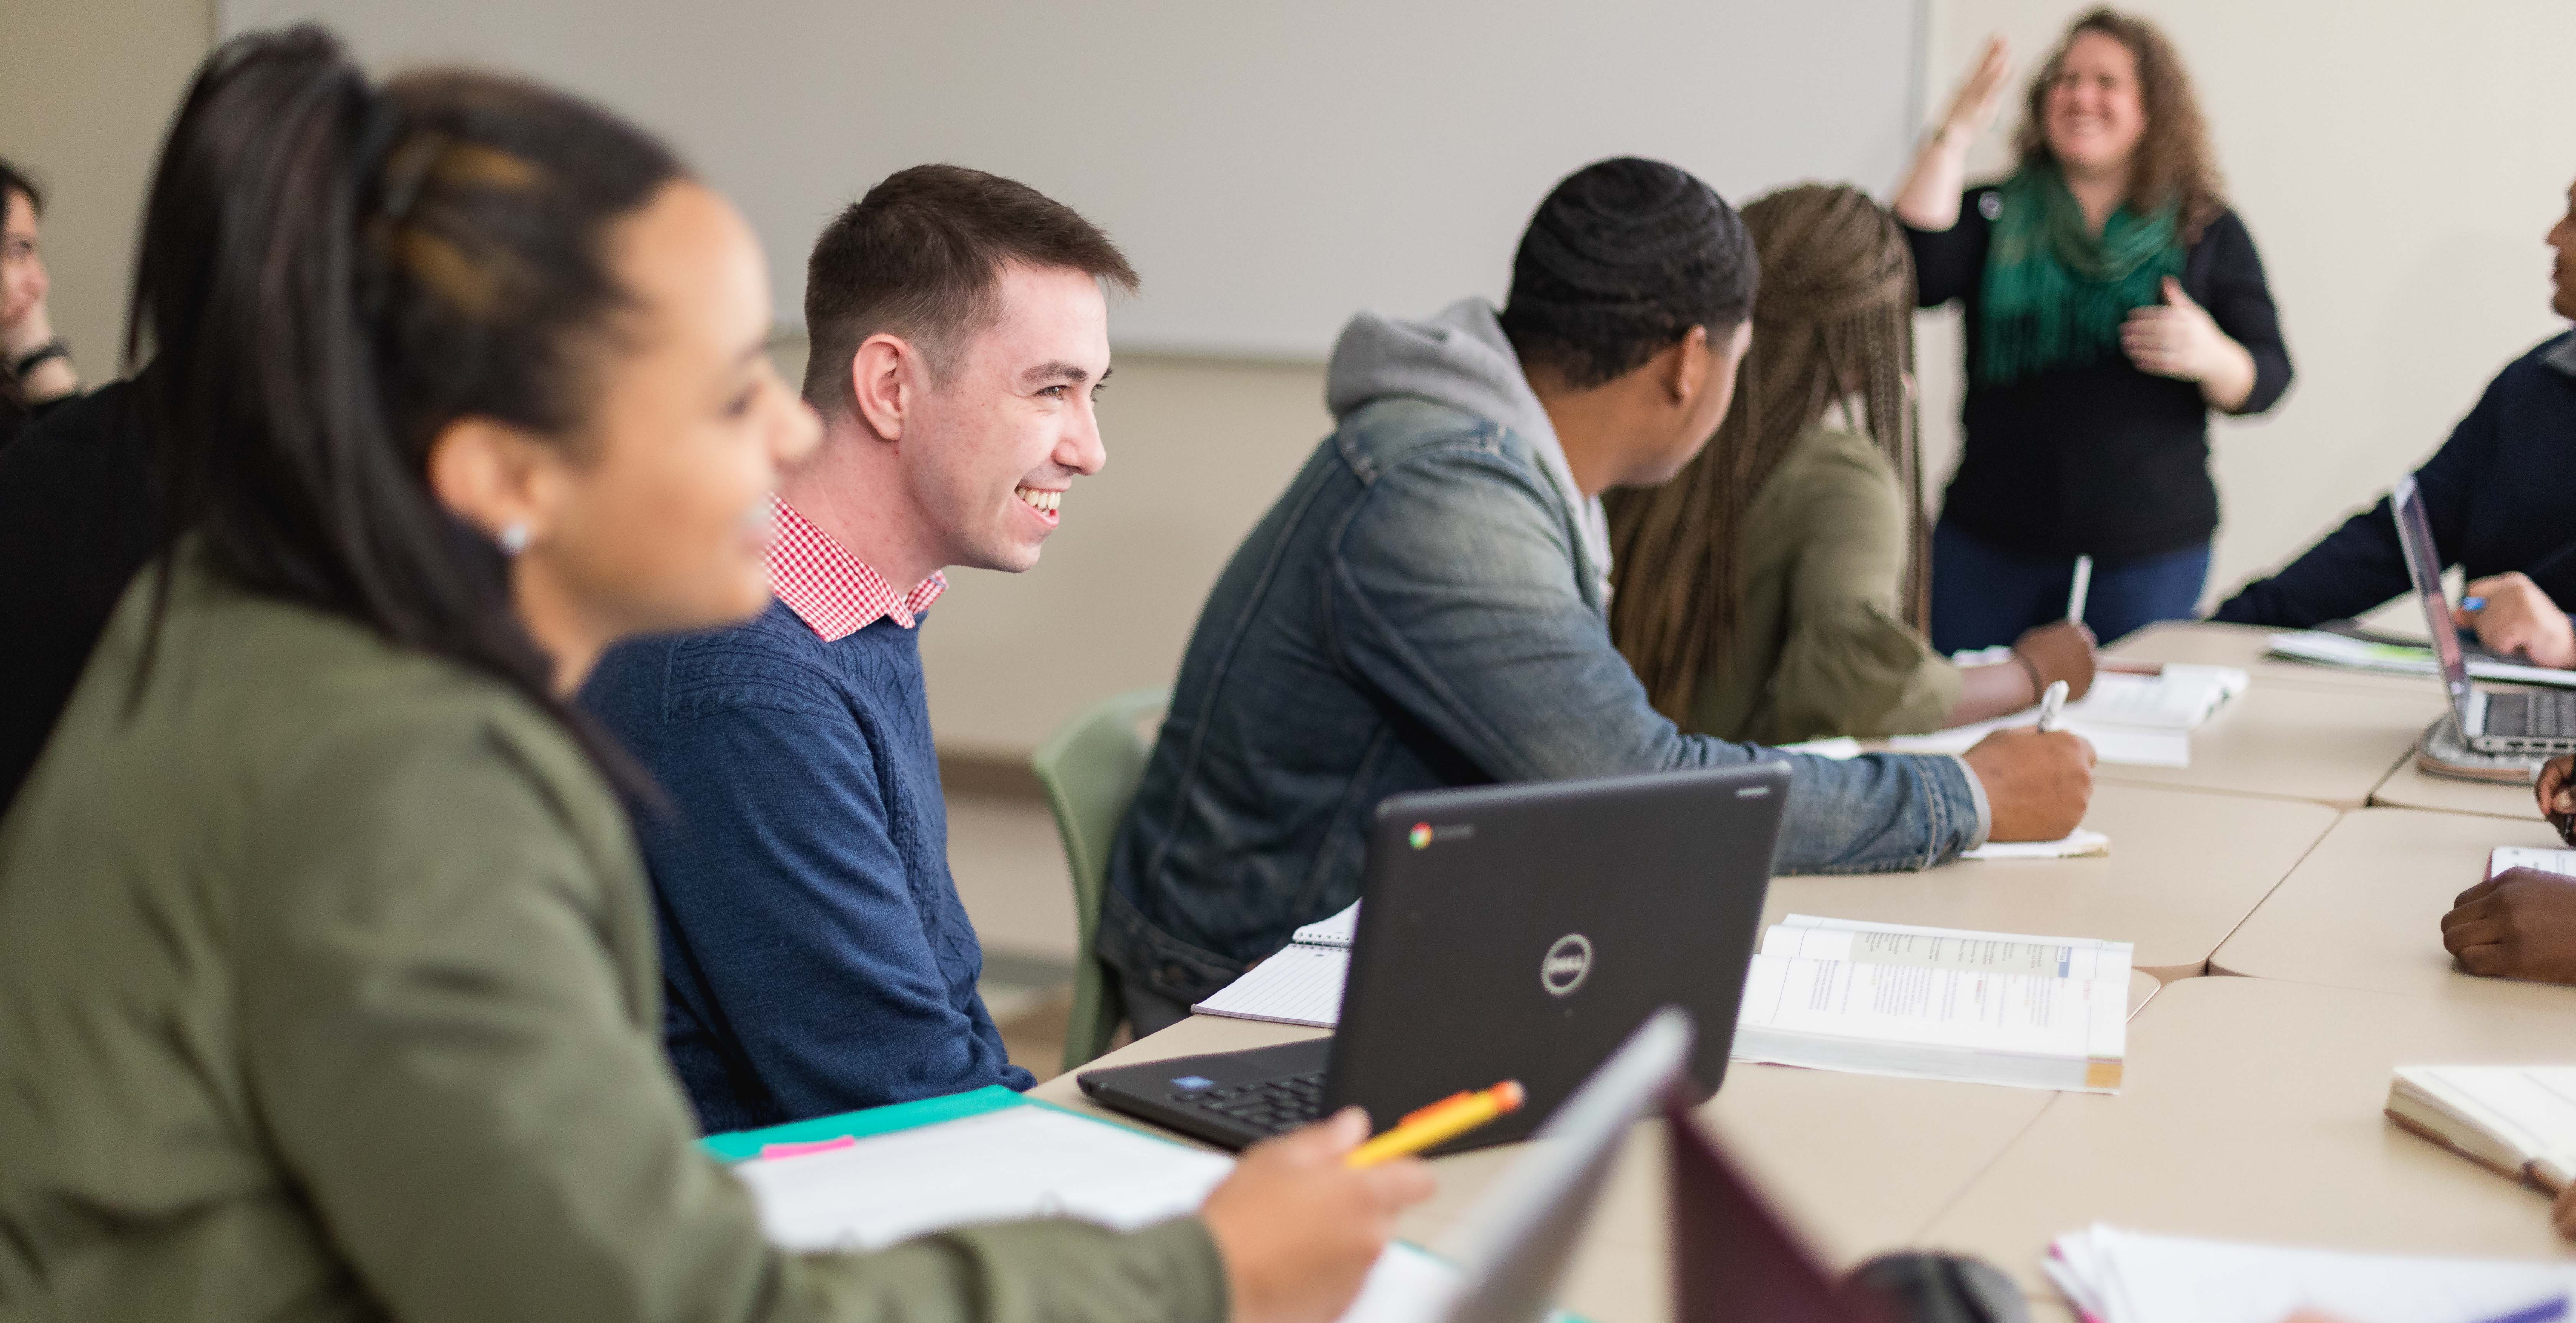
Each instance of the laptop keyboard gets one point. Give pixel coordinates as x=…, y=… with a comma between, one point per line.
x=1273, y=1106
x=2543, y=714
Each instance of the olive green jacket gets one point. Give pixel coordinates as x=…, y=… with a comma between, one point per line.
x=328, y=990
x=1821, y=646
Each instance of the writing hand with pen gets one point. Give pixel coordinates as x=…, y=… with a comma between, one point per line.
x=2521, y=923
x=2514, y=618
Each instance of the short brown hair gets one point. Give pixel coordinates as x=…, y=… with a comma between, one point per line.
x=919, y=257
x=2176, y=166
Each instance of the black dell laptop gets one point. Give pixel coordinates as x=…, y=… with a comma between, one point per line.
x=1508, y=932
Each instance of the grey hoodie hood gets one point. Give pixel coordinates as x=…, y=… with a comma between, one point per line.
x=1461, y=358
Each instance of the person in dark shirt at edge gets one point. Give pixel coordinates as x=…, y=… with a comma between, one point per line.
x=2112, y=301
x=75, y=513
x=2507, y=496
x=1427, y=604
x=36, y=373
x=817, y=955
x=2501, y=496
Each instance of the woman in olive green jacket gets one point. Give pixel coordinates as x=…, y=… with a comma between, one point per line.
x=327, y=970
x=1774, y=590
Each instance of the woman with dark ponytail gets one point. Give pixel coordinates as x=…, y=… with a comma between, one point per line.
x=1775, y=590
x=328, y=985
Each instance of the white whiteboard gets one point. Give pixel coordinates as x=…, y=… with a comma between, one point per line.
x=1271, y=166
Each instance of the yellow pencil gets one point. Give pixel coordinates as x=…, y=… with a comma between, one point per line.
x=1439, y=1123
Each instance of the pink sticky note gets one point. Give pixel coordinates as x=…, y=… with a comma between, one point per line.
x=800, y=1149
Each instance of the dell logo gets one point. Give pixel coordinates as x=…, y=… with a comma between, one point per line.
x=1567, y=964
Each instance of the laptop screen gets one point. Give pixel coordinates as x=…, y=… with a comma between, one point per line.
x=2424, y=566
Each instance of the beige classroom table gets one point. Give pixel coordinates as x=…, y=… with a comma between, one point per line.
x=2411, y=787
x=2364, y=910
x=2185, y=869
x=2328, y=746
x=2242, y=646
x=1858, y=1163
x=2251, y=1111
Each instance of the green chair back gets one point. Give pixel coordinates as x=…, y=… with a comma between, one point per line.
x=1090, y=768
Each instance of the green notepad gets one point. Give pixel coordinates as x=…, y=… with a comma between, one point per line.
x=742, y=1145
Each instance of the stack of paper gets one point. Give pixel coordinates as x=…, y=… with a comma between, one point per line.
x=1302, y=984
x=2518, y=1120
x=2080, y=845
x=2562, y=862
x=1938, y=1003
x=2180, y=697
x=1027, y=1160
x=2310, y=645
x=2135, y=720
x=2116, y=1276
x=1020, y=1161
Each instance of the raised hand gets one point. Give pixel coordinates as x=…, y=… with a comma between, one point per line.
x=1981, y=94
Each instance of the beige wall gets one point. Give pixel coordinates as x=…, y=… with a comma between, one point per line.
x=2398, y=164
x=2397, y=172
x=86, y=88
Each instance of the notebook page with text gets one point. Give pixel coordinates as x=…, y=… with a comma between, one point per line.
x=2562, y=862
x=1300, y=985
x=2130, y=1277
x=2000, y=1008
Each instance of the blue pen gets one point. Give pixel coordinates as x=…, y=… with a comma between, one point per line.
x=2473, y=604
x=2543, y=1312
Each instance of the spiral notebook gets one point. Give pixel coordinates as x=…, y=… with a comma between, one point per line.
x=1302, y=984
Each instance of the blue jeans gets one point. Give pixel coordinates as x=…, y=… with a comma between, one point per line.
x=1983, y=595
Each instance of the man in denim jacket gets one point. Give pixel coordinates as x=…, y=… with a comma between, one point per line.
x=1428, y=604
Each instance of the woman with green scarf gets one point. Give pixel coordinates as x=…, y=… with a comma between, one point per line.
x=2112, y=300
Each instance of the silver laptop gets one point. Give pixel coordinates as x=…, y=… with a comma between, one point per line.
x=2505, y=721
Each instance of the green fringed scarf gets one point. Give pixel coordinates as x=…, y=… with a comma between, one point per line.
x=2054, y=294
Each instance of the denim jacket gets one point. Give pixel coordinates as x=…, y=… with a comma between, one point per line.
x=1424, y=608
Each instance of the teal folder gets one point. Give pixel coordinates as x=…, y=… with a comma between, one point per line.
x=741, y=1145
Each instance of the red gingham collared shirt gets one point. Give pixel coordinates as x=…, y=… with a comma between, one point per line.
x=835, y=593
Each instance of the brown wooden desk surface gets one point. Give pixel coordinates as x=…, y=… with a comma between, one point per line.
x=1859, y=1163
x=2251, y=1111
x=2364, y=910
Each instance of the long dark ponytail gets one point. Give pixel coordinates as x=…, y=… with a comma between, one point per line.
x=329, y=275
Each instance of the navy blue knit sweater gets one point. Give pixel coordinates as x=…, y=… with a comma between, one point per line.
x=816, y=953
x=2500, y=494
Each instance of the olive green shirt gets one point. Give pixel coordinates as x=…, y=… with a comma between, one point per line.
x=328, y=990
x=1821, y=646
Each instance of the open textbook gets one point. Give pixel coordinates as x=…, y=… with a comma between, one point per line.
x=1302, y=984
x=1938, y=1003
x=2518, y=1120
x=2116, y=1276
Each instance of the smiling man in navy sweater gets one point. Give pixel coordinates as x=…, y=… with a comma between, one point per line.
x=817, y=956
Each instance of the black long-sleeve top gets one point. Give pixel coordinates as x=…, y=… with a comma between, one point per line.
x=2500, y=494
x=2101, y=460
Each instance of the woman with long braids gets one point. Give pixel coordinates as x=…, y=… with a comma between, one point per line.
x=1774, y=590
x=2113, y=300
x=328, y=977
